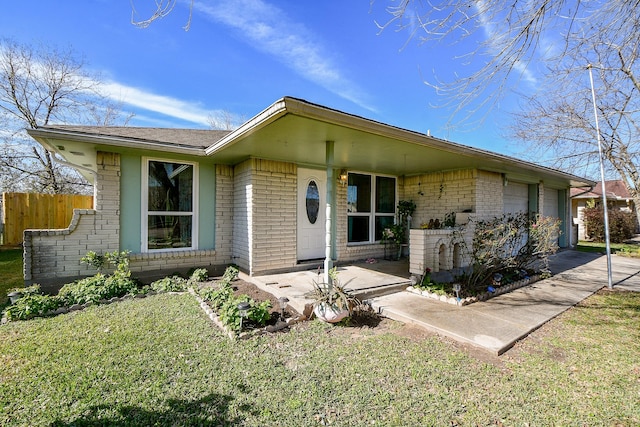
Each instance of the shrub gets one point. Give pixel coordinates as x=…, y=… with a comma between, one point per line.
x=622, y=225
x=199, y=275
x=510, y=242
x=170, y=284
x=32, y=305
x=217, y=296
x=96, y=288
x=230, y=274
x=101, y=286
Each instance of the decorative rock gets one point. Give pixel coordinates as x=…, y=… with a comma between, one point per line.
x=443, y=298
x=426, y=293
x=308, y=309
x=61, y=310
x=75, y=307
x=410, y=288
x=452, y=300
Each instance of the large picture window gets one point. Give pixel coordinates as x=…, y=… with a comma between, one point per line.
x=371, y=206
x=169, y=204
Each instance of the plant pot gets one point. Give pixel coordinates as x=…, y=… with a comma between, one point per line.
x=330, y=313
x=14, y=296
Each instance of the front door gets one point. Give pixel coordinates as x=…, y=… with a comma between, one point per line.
x=311, y=213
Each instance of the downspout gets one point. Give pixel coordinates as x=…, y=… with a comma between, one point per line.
x=84, y=168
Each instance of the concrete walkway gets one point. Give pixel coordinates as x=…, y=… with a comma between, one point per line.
x=494, y=325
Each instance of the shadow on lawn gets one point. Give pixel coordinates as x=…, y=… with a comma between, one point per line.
x=211, y=410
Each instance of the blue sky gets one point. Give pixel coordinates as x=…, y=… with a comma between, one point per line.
x=240, y=56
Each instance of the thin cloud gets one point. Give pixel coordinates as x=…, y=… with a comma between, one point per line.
x=270, y=30
x=168, y=106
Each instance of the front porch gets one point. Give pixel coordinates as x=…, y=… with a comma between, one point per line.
x=365, y=280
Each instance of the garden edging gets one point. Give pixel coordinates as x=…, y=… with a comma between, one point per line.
x=498, y=290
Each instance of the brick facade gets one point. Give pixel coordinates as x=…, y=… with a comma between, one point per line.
x=53, y=256
x=265, y=215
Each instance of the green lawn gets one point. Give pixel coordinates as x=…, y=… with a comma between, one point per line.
x=619, y=248
x=158, y=361
x=11, y=275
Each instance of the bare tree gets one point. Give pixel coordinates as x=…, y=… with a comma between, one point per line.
x=557, y=122
x=224, y=120
x=41, y=86
x=547, y=44
x=160, y=9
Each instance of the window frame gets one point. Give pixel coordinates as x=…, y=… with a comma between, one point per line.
x=372, y=214
x=145, y=213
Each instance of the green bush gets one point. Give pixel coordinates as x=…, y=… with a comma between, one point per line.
x=32, y=305
x=230, y=274
x=622, y=225
x=259, y=312
x=100, y=286
x=216, y=297
x=95, y=288
x=199, y=275
x=170, y=284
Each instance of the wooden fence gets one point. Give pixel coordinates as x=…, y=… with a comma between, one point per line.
x=21, y=211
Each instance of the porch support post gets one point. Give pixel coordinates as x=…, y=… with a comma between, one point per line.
x=328, y=262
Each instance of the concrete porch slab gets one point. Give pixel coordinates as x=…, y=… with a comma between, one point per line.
x=364, y=280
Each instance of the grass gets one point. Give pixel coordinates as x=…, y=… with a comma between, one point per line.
x=627, y=249
x=158, y=361
x=11, y=275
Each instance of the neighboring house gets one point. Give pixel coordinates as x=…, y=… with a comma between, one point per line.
x=298, y=182
x=618, y=197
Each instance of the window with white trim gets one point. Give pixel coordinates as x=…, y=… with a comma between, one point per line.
x=169, y=204
x=371, y=206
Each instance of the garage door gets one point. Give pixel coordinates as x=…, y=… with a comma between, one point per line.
x=516, y=197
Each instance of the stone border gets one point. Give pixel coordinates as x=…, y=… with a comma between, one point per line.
x=482, y=297
x=215, y=319
x=78, y=307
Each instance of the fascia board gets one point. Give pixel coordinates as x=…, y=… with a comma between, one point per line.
x=44, y=135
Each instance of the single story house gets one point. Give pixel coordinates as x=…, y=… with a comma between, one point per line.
x=618, y=197
x=298, y=182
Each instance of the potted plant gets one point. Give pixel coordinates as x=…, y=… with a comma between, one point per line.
x=392, y=239
x=331, y=301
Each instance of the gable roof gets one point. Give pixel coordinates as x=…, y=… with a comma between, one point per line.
x=297, y=131
x=616, y=189
x=194, y=138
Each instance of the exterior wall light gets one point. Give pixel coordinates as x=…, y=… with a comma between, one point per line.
x=343, y=177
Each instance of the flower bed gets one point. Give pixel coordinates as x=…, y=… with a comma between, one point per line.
x=495, y=291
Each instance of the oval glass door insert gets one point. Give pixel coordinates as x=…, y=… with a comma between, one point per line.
x=313, y=202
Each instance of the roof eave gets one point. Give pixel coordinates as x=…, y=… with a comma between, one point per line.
x=298, y=107
x=45, y=135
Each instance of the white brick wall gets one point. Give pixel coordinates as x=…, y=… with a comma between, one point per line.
x=265, y=215
x=52, y=256
x=437, y=194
